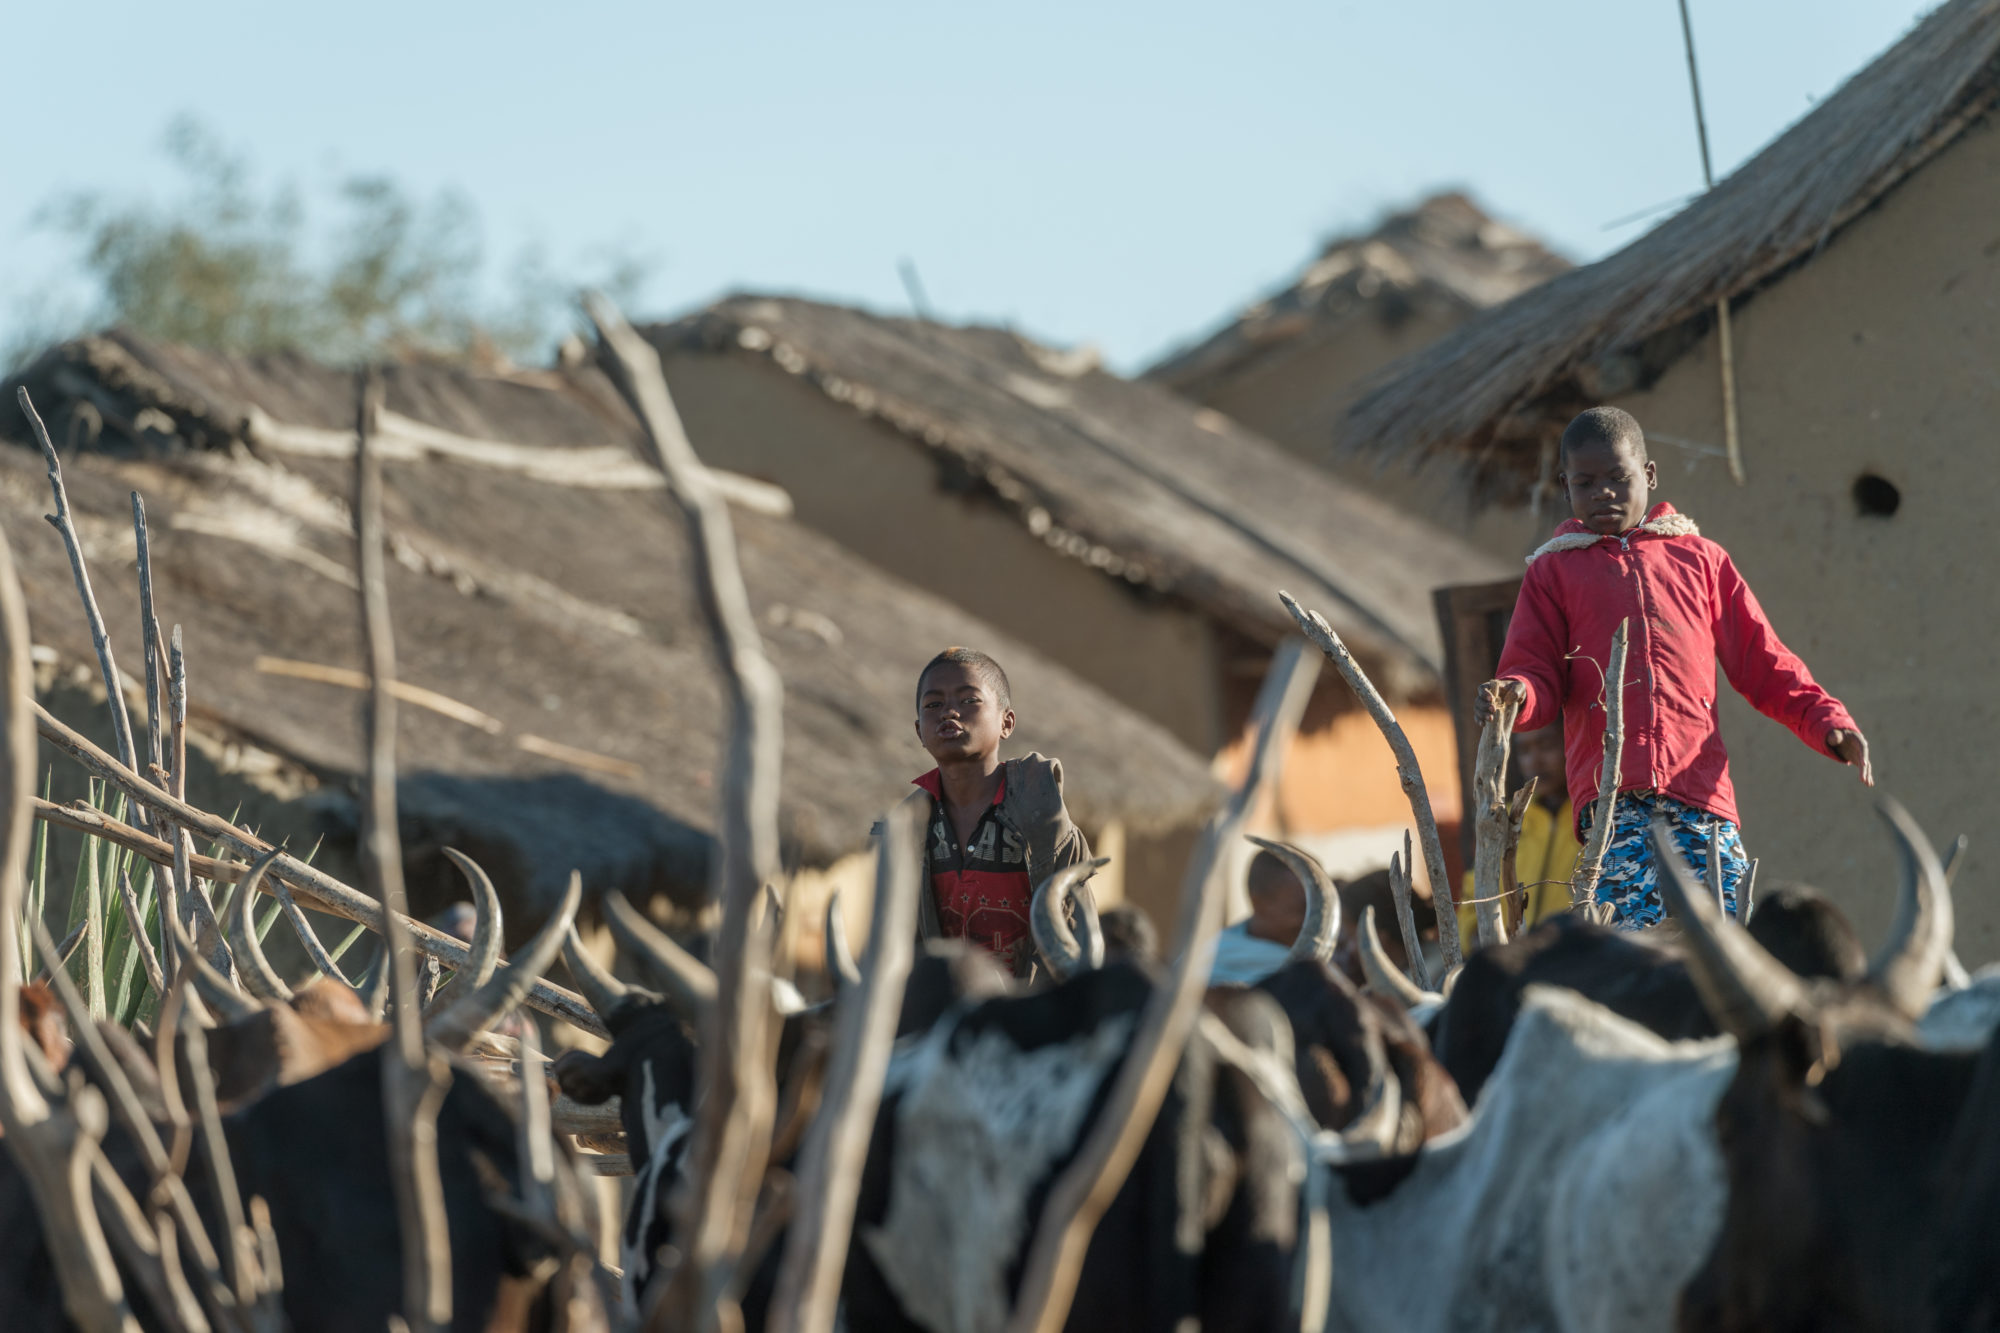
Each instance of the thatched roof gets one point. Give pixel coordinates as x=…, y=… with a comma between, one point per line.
x=1125, y=476
x=1444, y=255
x=540, y=580
x=1493, y=392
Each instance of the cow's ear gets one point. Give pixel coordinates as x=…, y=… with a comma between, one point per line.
x=1806, y=1052
x=586, y=1078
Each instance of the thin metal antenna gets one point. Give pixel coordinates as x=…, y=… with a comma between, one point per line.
x=1724, y=335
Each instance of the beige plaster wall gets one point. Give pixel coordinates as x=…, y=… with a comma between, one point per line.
x=1880, y=355
x=877, y=493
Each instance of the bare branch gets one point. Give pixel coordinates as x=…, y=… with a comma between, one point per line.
x=110, y=1074
x=732, y=1132
x=1089, y=1184
x=141, y=941
x=100, y=637
x=149, y=633
x=1408, y=771
x=1491, y=820
x=52, y=1145
x=413, y=1081
x=1590, y=865
x=325, y=892
x=836, y=1146
x=215, y=1155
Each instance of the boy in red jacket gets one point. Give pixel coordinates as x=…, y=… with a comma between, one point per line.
x=1687, y=607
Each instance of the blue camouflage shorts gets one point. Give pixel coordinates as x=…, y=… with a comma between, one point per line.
x=1631, y=881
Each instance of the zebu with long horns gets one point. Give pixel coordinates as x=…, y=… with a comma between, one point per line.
x=992, y=1090
x=1782, y=1176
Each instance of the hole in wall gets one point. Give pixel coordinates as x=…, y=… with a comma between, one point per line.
x=1876, y=496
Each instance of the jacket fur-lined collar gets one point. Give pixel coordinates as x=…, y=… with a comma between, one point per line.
x=1662, y=521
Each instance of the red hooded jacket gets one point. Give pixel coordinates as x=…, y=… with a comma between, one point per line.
x=1688, y=608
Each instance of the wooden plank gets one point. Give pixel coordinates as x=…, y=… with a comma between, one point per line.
x=1473, y=620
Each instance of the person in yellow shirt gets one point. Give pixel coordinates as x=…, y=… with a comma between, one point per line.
x=1546, y=857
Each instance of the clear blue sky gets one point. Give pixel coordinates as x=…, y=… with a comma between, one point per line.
x=1125, y=174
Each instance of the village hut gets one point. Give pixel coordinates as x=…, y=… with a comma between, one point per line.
x=1289, y=365
x=562, y=708
x=1133, y=536
x=1859, y=254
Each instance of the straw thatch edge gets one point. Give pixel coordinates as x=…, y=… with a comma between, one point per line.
x=1520, y=371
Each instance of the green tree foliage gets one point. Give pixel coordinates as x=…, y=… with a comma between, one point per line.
x=228, y=266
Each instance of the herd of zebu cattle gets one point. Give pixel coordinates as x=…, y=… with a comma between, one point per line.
x=1716, y=1127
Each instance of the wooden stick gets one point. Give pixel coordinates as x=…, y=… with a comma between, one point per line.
x=1406, y=914
x=53, y=1145
x=1714, y=867
x=1491, y=821
x=836, y=1147
x=1590, y=866
x=149, y=635
x=166, y=896
x=414, y=1081
x=731, y=1139
x=100, y=637
x=1510, y=879
x=141, y=941
x=347, y=679
x=326, y=893
x=123, y=1099
x=221, y=1171
x=1089, y=1184
x=177, y=779
x=88, y=820
x=1408, y=772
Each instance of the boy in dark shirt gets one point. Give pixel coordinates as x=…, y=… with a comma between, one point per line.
x=995, y=829
x=1686, y=606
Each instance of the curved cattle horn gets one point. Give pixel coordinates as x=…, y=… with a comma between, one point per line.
x=840, y=965
x=1912, y=959
x=1374, y=1130
x=1053, y=937
x=1383, y=975
x=1093, y=929
x=482, y=1007
x=1450, y=982
x=593, y=980
x=259, y=977
x=487, y=935
x=686, y=982
x=1745, y=990
x=216, y=990
x=1322, y=924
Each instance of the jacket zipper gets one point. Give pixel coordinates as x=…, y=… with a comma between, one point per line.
x=1645, y=659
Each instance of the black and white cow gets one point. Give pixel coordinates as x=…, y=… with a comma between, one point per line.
x=1792, y=1174
x=1640, y=976
x=982, y=1112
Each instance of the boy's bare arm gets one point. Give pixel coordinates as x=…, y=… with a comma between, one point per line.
x=1852, y=748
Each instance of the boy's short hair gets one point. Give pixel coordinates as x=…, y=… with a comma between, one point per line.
x=1612, y=426
x=979, y=664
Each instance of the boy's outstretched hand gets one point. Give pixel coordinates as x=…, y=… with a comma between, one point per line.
x=1489, y=698
x=1851, y=747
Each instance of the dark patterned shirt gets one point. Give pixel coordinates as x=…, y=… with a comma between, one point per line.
x=982, y=888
